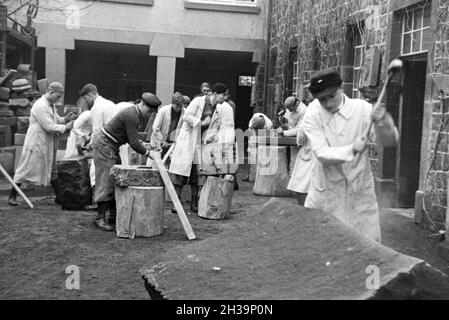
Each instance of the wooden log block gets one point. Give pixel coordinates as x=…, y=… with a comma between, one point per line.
x=216, y=198
x=272, y=175
x=218, y=159
x=140, y=211
x=136, y=176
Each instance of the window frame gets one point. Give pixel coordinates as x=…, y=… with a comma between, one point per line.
x=410, y=12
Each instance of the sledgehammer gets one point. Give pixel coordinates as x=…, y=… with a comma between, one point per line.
x=394, y=68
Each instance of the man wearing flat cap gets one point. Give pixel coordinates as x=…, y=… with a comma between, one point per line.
x=39, y=150
x=343, y=183
x=187, y=153
x=122, y=129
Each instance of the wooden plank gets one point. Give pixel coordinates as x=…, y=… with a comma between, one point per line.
x=172, y=193
x=280, y=141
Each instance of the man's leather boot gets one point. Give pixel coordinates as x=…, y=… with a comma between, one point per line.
x=99, y=221
x=12, y=199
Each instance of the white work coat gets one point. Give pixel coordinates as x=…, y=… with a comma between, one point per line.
x=102, y=112
x=161, y=125
x=342, y=182
x=294, y=120
x=188, y=144
x=252, y=141
x=222, y=131
x=81, y=127
x=301, y=179
x=39, y=149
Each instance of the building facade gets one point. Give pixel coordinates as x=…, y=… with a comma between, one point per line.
x=126, y=47
x=359, y=38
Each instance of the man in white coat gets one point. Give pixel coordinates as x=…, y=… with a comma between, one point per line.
x=295, y=114
x=102, y=111
x=39, y=150
x=343, y=183
x=187, y=153
x=168, y=123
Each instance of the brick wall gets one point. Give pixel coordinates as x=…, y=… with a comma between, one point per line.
x=323, y=33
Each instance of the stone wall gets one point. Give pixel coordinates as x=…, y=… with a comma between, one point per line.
x=307, y=36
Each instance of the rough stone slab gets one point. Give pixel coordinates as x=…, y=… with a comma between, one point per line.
x=4, y=104
x=23, y=112
x=8, y=121
x=288, y=252
x=6, y=113
x=72, y=188
x=5, y=93
x=7, y=161
x=28, y=94
x=23, y=123
x=19, y=139
x=19, y=103
x=5, y=136
x=136, y=176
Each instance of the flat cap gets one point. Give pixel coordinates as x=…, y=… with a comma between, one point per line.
x=323, y=80
x=151, y=100
x=219, y=88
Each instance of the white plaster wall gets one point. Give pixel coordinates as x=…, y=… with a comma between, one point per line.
x=128, y=23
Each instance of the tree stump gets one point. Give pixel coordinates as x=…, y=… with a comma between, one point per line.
x=72, y=187
x=216, y=198
x=272, y=175
x=140, y=211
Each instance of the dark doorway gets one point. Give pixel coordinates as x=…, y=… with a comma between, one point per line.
x=243, y=108
x=411, y=125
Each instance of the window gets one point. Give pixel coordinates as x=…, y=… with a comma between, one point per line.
x=359, y=53
x=416, y=32
x=239, y=6
x=246, y=81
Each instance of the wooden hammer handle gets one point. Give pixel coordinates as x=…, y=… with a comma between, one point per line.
x=11, y=181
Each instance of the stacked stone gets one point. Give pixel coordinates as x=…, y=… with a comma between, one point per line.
x=16, y=99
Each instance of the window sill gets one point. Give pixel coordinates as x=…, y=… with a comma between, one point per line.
x=239, y=8
x=136, y=2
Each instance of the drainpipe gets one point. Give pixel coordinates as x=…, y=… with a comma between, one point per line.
x=267, y=55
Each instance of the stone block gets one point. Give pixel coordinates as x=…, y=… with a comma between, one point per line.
x=294, y=254
x=72, y=187
x=8, y=121
x=23, y=123
x=29, y=94
x=19, y=139
x=4, y=112
x=5, y=136
x=23, y=103
x=23, y=112
x=5, y=93
x=136, y=176
x=7, y=161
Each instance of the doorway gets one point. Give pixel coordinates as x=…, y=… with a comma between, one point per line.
x=411, y=126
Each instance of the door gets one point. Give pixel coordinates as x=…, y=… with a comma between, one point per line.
x=411, y=126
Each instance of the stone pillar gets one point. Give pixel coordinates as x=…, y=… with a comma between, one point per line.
x=55, y=64
x=166, y=47
x=165, y=78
